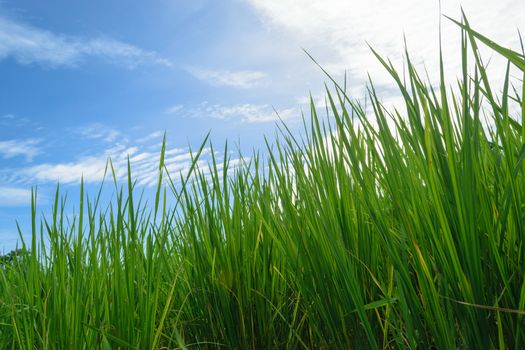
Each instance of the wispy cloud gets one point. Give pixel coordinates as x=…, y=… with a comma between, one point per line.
x=14, y=196
x=239, y=79
x=98, y=131
x=245, y=112
x=12, y=148
x=28, y=44
x=91, y=168
x=13, y=120
x=174, y=109
x=144, y=165
x=144, y=158
x=156, y=135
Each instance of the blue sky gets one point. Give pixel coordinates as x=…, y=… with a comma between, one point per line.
x=84, y=81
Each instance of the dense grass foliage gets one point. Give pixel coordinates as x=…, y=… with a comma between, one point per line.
x=376, y=229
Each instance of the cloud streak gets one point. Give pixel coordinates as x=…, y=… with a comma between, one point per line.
x=98, y=131
x=11, y=120
x=238, y=79
x=29, y=45
x=14, y=196
x=144, y=166
x=244, y=112
x=13, y=148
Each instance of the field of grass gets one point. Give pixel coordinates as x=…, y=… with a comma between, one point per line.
x=357, y=235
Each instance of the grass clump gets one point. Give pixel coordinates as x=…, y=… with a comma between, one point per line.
x=358, y=236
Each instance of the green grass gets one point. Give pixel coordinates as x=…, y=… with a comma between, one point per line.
x=355, y=236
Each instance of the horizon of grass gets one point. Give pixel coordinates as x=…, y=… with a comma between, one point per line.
x=355, y=236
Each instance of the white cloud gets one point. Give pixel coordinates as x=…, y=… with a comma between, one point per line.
x=336, y=31
x=144, y=166
x=13, y=120
x=14, y=196
x=13, y=148
x=7, y=118
x=245, y=112
x=99, y=131
x=156, y=135
x=91, y=168
x=28, y=44
x=240, y=79
x=174, y=109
